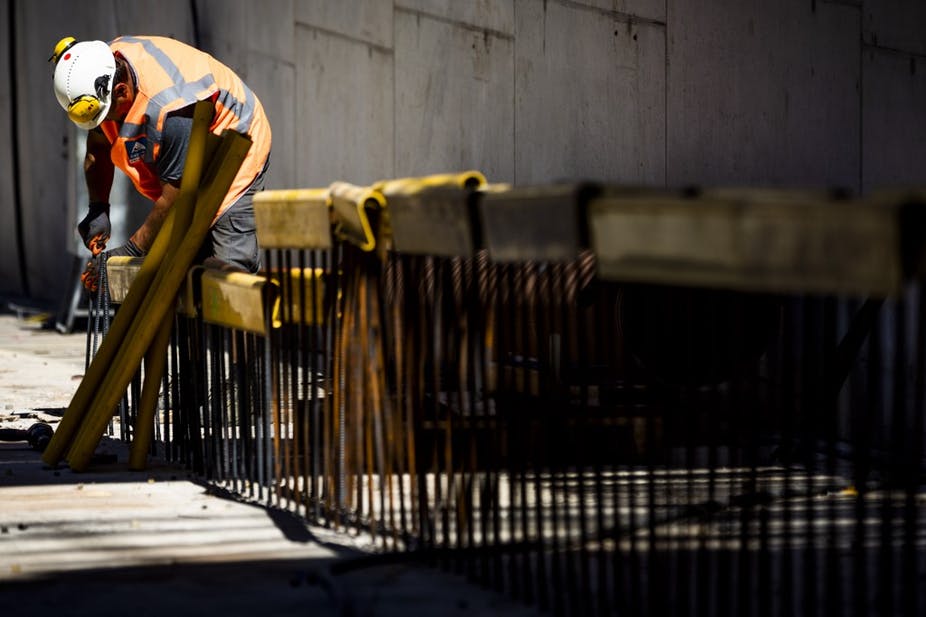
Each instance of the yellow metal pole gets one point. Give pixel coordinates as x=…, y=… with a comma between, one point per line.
x=156, y=356
x=159, y=299
x=123, y=319
x=155, y=360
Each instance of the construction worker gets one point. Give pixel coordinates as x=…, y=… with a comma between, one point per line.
x=135, y=97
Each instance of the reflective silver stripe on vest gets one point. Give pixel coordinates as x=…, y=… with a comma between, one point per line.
x=163, y=59
x=130, y=130
x=186, y=92
x=244, y=111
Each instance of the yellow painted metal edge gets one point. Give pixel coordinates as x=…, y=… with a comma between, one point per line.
x=189, y=297
x=297, y=218
x=120, y=274
x=293, y=285
x=238, y=300
x=471, y=179
x=351, y=219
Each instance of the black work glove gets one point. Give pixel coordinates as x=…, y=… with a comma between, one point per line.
x=94, y=230
x=91, y=276
x=129, y=249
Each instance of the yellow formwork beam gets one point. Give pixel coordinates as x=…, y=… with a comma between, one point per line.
x=471, y=179
x=120, y=274
x=238, y=300
x=223, y=168
x=122, y=322
x=300, y=282
x=293, y=219
x=352, y=206
x=429, y=215
x=765, y=241
x=241, y=301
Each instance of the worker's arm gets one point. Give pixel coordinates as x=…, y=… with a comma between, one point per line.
x=144, y=237
x=95, y=228
x=98, y=167
x=140, y=242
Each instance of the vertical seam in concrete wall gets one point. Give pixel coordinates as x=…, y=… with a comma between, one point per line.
x=194, y=17
x=665, y=100
x=14, y=151
x=514, y=96
x=861, y=98
x=395, y=100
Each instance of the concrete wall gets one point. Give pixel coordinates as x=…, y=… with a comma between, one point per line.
x=657, y=92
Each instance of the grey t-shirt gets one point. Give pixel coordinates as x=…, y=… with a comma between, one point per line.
x=175, y=140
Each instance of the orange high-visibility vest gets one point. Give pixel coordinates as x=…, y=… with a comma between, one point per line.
x=171, y=75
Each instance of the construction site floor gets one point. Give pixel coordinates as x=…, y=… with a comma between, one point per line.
x=110, y=541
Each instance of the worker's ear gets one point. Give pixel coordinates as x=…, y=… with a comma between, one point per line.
x=121, y=91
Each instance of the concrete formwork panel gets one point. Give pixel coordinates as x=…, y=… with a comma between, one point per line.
x=654, y=10
x=366, y=20
x=272, y=75
x=223, y=32
x=170, y=18
x=344, y=131
x=896, y=24
x=44, y=136
x=494, y=15
x=590, y=97
x=257, y=41
x=454, y=98
x=274, y=82
x=894, y=125
x=763, y=93
x=271, y=28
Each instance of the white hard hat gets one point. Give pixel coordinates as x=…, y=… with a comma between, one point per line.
x=83, y=80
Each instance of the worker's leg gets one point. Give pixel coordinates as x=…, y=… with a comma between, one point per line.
x=233, y=238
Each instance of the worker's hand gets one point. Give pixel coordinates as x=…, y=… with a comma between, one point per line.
x=129, y=249
x=94, y=230
x=91, y=275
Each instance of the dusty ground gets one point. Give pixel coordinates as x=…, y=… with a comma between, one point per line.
x=39, y=368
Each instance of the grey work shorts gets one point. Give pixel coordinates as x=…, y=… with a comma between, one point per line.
x=233, y=238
